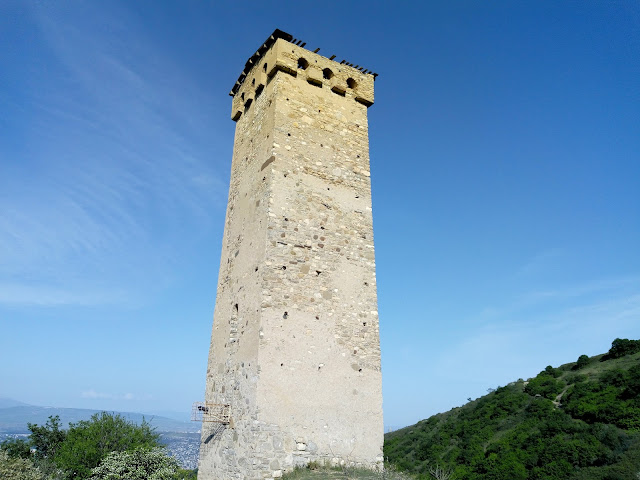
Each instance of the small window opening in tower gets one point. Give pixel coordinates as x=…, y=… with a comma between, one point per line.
x=264, y=67
x=327, y=74
x=351, y=83
x=302, y=63
x=259, y=91
x=253, y=82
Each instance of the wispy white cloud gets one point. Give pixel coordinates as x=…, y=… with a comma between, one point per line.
x=117, y=168
x=565, y=298
x=92, y=394
x=540, y=262
x=514, y=341
x=601, y=286
x=46, y=296
x=496, y=348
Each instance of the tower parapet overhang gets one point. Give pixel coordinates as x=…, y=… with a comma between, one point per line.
x=283, y=53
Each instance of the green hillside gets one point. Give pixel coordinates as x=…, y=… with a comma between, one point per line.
x=580, y=421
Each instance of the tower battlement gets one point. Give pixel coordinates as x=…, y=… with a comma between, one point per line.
x=280, y=53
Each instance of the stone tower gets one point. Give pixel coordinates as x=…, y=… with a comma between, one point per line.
x=295, y=349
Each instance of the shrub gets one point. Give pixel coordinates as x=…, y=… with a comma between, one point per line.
x=183, y=474
x=544, y=385
x=16, y=448
x=576, y=378
x=139, y=464
x=89, y=441
x=18, y=468
x=554, y=372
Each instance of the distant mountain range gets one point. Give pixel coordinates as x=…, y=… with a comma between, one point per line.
x=10, y=402
x=14, y=416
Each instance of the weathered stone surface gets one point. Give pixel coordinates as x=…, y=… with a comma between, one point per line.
x=295, y=344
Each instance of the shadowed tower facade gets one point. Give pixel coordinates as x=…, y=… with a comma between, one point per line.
x=295, y=351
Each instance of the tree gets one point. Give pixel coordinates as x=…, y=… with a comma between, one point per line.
x=47, y=439
x=18, y=468
x=583, y=361
x=554, y=372
x=16, y=448
x=88, y=442
x=139, y=464
x=623, y=346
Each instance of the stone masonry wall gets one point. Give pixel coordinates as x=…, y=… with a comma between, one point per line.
x=295, y=343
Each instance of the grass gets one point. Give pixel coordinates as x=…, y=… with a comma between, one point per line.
x=314, y=472
x=596, y=367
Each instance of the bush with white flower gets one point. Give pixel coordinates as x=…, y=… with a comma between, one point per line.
x=139, y=464
x=15, y=468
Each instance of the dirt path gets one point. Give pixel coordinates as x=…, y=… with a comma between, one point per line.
x=556, y=402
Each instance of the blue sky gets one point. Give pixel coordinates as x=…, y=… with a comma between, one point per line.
x=505, y=152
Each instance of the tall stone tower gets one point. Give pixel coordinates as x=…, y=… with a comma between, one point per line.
x=295, y=351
